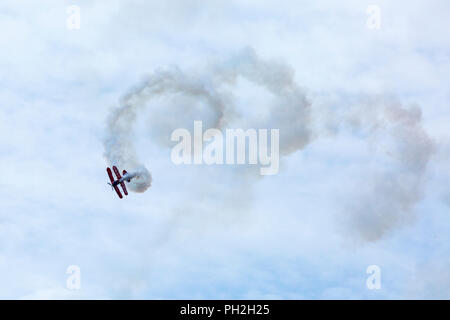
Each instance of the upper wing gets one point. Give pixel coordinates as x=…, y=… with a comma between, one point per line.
x=116, y=172
x=110, y=175
x=112, y=181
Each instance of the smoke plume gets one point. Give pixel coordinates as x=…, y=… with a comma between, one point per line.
x=402, y=149
x=390, y=195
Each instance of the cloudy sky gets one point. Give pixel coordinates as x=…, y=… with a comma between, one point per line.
x=369, y=188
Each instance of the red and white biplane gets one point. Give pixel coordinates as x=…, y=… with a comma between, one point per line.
x=120, y=180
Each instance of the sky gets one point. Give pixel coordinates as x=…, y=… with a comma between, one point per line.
x=340, y=203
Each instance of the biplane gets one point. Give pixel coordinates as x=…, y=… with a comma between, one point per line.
x=120, y=180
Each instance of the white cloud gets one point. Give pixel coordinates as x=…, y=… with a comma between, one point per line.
x=195, y=234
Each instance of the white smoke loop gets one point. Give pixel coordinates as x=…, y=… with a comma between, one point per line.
x=390, y=197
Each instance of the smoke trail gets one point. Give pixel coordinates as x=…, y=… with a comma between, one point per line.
x=390, y=195
x=290, y=111
x=118, y=144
